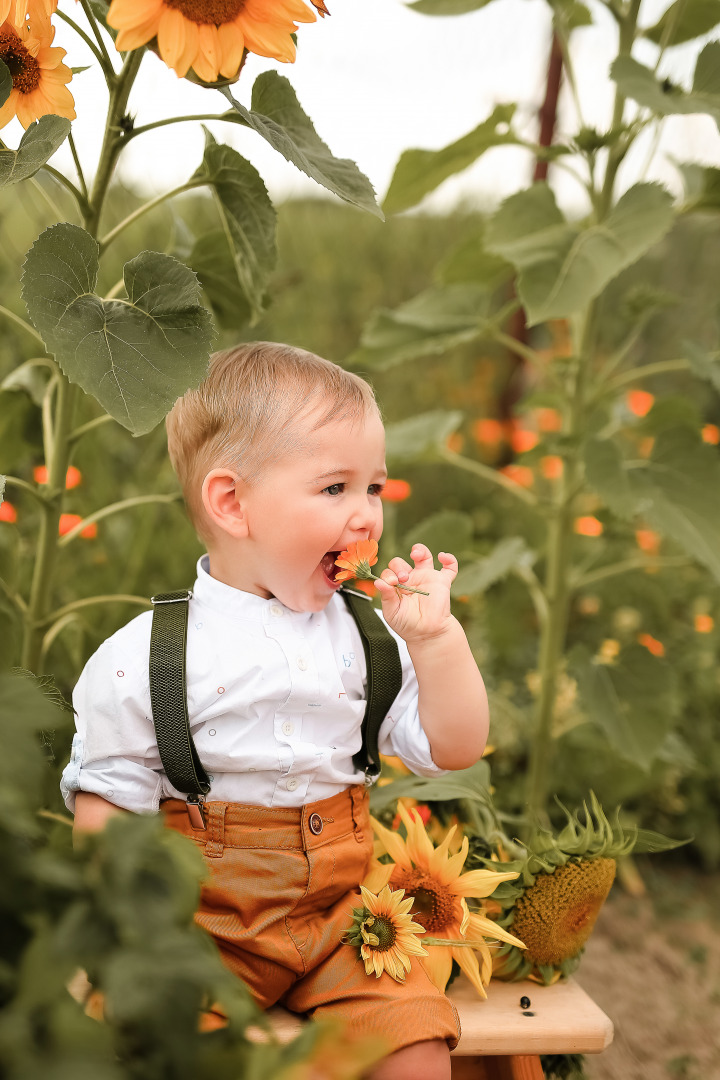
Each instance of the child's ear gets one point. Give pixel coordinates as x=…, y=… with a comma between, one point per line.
x=222, y=499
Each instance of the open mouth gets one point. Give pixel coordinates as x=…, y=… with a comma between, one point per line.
x=328, y=567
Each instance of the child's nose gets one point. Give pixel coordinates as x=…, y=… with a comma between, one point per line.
x=366, y=516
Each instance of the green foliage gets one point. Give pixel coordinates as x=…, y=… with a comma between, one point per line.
x=135, y=355
x=419, y=172
x=511, y=553
x=248, y=232
x=447, y=7
x=683, y=21
x=662, y=96
x=277, y=116
x=5, y=82
x=38, y=143
x=562, y=267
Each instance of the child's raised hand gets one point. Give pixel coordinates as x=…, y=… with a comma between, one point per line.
x=411, y=615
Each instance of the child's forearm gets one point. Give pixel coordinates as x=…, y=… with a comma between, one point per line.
x=92, y=813
x=452, y=703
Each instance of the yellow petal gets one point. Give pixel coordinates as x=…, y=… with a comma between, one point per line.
x=184, y=61
x=7, y=111
x=124, y=14
x=419, y=845
x=135, y=36
x=208, y=41
x=480, y=882
x=267, y=40
x=467, y=960
x=478, y=926
x=232, y=46
x=171, y=36
x=378, y=876
x=438, y=965
x=393, y=844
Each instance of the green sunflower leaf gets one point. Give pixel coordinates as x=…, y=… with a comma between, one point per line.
x=418, y=172
x=276, y=115
x=37, y=145
x=509, y=553
x=683, y=21
x=248, y=222
x=6, y=82
x=421, y=437
x=214, y=263
x=438, y=319
x=664, y=97
x=562, y=266
x=447, y=7
x=702, y=187
x=135, y=355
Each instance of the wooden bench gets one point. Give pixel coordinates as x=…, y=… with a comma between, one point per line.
x=501, y=1040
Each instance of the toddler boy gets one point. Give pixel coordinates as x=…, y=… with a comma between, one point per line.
x=281, y=456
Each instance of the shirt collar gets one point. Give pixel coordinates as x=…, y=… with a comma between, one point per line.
x=235, y=602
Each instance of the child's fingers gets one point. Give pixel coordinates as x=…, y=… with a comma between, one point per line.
x=399, y=569
x=448, y=563
x=422, y=557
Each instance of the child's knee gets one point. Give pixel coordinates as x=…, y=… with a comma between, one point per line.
x=420, y=1061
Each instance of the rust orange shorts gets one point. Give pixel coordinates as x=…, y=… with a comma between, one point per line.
x=283, y=883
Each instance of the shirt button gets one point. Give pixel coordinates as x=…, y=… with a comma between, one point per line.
x=288, y=728
x=302, y=663
x=292, y=784
x=276, y=610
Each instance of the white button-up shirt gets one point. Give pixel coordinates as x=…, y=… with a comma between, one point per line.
x=275, y=700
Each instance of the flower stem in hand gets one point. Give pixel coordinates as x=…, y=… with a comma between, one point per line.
x=356, y=563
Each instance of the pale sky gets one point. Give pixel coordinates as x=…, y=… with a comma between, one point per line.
x=377, y=78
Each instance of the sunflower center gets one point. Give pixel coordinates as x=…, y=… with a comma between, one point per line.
x=208, y=12
x=384, y=931
x=555, y=916
x=23, y=67
x=435, y=906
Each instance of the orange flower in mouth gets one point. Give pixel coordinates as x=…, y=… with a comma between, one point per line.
x=357, y=561
x=209, y=36
x=38, y=74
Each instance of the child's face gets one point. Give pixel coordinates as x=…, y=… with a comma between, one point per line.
x=307, y=508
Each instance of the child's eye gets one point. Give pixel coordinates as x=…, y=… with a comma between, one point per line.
x=376, y=489
x=333, y=489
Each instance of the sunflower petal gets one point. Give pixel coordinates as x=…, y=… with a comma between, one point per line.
x=232, y=46
x=478, y=926
x=480, y=882
x=438, y=965
x=171, y=36
x=393, y=844
x=378, y=876
x=467, y=960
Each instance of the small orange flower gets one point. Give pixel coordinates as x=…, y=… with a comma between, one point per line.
x=489, y=432
x=704, y=624
x=711, y=434
x=357, y=560
x=549, y=420
x=648, y=541
x=395, y=491
x=588, y=526
x=651, y=644
x=640, y=402
x=551, y=467
x=73, y=476
x=523, y=440
x=519, y=474
x=8, y=512
x=68, y=523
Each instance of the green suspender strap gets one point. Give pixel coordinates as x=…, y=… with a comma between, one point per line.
x=168, y=693
x=168, y=697
x=384, y=677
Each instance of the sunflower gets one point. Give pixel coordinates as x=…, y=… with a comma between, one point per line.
x=385, y=933
x=434, y=878
x=562, y=882
x=357, y=560
x=209, y=36
x=38, y=74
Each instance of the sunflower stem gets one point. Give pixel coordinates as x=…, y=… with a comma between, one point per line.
x=145, y=208
x=57, y=434
x=104, y=63
x=97, y=34
x=21, y=322
x=173, y=120
x=78, y=167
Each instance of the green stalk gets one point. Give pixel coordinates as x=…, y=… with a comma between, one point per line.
x=558, y=573
x=57, y=454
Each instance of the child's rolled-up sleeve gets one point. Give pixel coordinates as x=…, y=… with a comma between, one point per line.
x=114, y=752
x=402, y=735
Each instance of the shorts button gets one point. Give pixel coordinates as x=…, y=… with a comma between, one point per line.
x=292, y=784
x=316, y=824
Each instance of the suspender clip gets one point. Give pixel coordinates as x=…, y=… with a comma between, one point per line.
x=172, y=598
x=195, y=811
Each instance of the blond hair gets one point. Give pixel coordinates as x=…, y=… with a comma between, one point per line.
x=248, y=413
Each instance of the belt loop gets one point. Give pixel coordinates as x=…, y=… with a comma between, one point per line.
x=216, y=830
x=358, y=799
